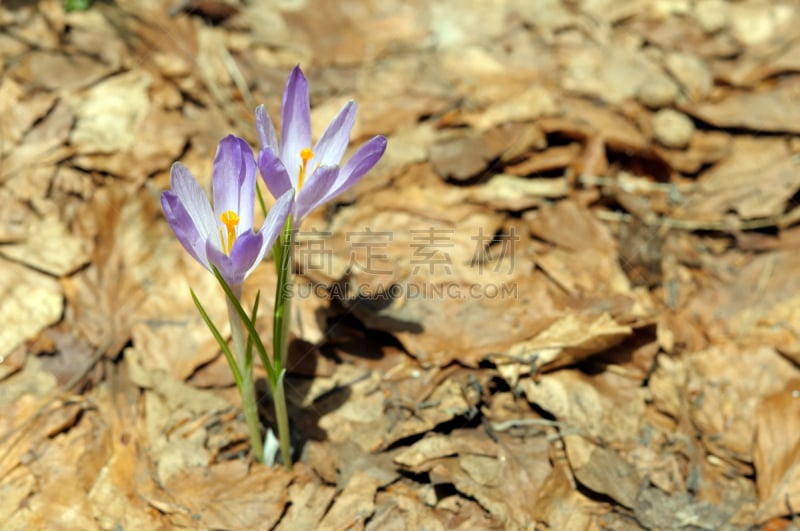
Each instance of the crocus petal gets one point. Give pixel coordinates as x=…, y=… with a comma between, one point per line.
x=225, y=266
x=359, y=164
x=233, y=181
x=247, y=252
x=193, y=199
x=314, y=191
x=265, y=129
x=273, y=172
x=333, y=142
x=276, y=218
x=295, y=122
x=272, y=227
x=184, y=227
x=234, y=268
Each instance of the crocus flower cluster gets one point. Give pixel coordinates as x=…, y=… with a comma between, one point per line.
x=222, y=238
x=300, y=177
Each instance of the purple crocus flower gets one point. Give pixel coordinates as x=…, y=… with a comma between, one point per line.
x=314, y=173
x=224, y=237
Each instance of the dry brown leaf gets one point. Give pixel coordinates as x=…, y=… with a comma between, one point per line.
x=16, y=486
x=504, y=485
x=49, y=247
x=507, y=192
x=169, y=331
x=355, y=504
x=534, y=102
x=657, y=510
x=54, y=71
x=131, y=253
x=586, y=274
x=29, y=166
x=29, y=302
x=692, y=73
x=176, y=418
x=777, y=453
x=772, y=108
x=424, y=326
x=460, y=158
x=402, y=507
x=611, y=72
x=566, y=341
x=730, y=184
x=547, y=160
x=603, y=470
x=110, y=113
x=447, y=401
x=421, y=455
x=224, y=496
x=758, y=305
x=12, y=362
x=65, y=471
x=119, y=490
x=571, y=226
x=705, y=147
x=19, y=113
x=309, y=500
x=92, y=32
x=730, y=384
x=583, y=119
x=605, y=407
x=561, y=506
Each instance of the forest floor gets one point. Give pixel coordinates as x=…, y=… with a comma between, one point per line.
x=568, y=297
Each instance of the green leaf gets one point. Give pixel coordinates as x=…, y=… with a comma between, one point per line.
x=237, y=375
x=280, y=317
x=247, y=323
x=77, y=5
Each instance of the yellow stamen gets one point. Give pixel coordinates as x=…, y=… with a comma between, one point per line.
x=305, y=154
x=230, y=220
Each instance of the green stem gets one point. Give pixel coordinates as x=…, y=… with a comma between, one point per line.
x=283, y=263
x=283, y=254
x=248, y=388
x=282, y=417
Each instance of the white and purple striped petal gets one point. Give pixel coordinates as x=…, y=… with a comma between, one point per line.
x=188, y=191
x=184, y=227
x=315, y=190
x=266, y=130
x=274, y=172
x=357, y=166
x=295, y=122
x=331, y=146
x=233, y=181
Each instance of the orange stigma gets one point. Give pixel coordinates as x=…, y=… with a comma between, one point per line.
x=305, y=154
x=230, y=220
